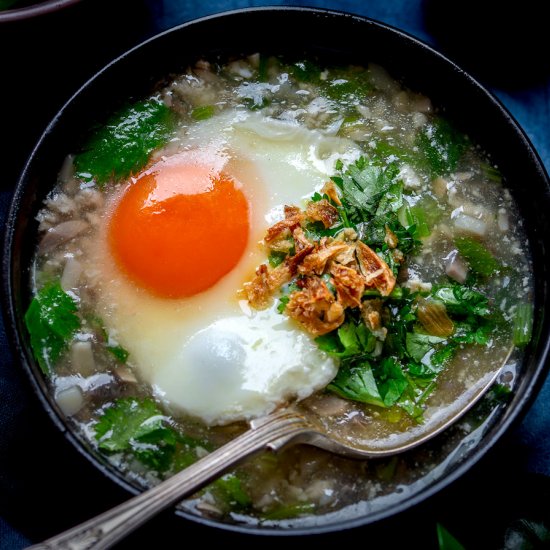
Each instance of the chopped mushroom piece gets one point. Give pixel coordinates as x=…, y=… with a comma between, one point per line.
x=455, y=268
x=61, y=233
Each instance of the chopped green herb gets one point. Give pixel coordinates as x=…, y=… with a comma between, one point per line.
x=51, y=321
x=462, y=300
x=140, y=427
x=286, y=291
x=290, y=511
x=276, y=258
x=419, y=345
x=523, y=324
x=123, y=145
x=442, y=146
x=202, y=113
x=491, y=173
x=478, y=257
x=230, y=491
x=119, y=353
x=358, y=384
x=305, y=71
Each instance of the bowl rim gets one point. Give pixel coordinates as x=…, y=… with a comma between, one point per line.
x=35, y=10
x=22, y=356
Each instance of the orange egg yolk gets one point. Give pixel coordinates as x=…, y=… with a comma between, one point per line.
x=179, y=228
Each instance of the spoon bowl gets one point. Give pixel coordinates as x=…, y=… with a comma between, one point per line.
x=275, y=432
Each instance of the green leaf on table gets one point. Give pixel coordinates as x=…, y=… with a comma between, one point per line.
x=445, y=540
x=123, y=145
x=51, y=320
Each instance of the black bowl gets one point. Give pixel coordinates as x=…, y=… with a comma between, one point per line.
x=332, y=36
x=36, y=9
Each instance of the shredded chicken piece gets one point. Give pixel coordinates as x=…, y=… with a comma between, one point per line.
x=316, y=262
x=375, y=270
x=329, y=189
x=349, y=284
x=322, y=211
x=315, y=307
x=260, y=290
x=391, y=238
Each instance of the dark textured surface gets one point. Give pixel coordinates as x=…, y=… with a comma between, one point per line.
x=43, y=62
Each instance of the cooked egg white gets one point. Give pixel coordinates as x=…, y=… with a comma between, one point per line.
x=209, y=355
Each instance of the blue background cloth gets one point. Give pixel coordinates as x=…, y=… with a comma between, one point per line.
x=37, y=466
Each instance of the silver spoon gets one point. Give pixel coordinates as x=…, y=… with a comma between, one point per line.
x=295, y=424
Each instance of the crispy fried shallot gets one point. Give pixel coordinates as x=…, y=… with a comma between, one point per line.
x=322, y=211
x=293, y=218
x=349, y=285
x=375, y=270
x=260, y=290
x=351, y=264
x=329, y=189
x=315, y=263
x=315, y=307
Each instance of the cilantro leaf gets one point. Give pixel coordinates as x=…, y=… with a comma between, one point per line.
x=392, y=381
x=51, y=320
x=418, y=345
x=140, y=427
x=461, y=300
x=123, y=145
x=364, y=185
x=348, y=340
x=358, y=384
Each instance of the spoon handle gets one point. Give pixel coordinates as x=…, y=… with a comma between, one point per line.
x=273, y=432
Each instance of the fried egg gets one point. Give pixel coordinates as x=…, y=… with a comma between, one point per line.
x=179, y=241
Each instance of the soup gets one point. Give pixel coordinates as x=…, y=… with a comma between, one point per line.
x=261, y=232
